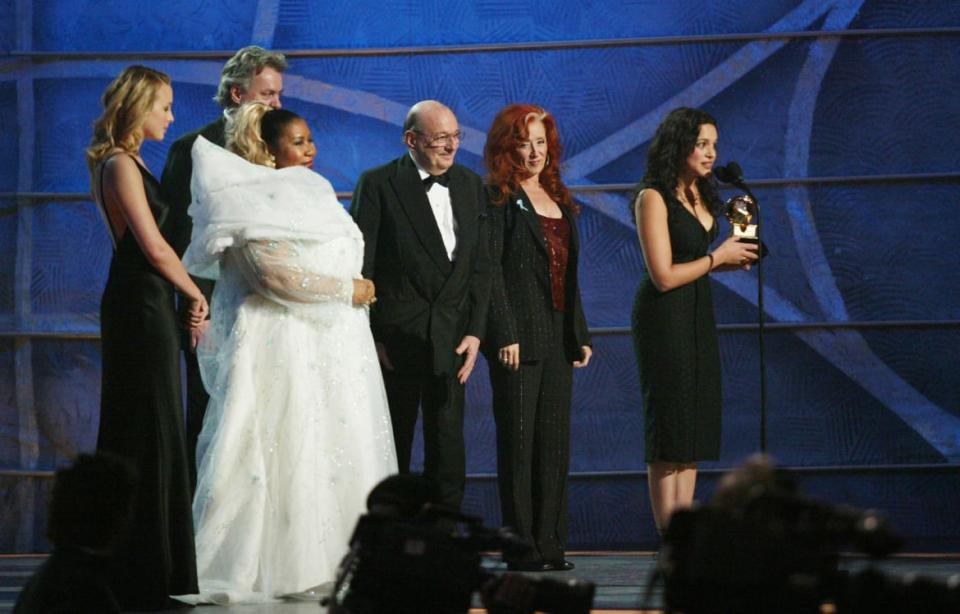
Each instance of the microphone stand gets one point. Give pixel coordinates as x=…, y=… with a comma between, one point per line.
x=760, y=317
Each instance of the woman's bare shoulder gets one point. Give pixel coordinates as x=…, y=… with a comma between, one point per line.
x=649, y=197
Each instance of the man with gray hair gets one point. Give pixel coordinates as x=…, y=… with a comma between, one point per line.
x=253, y=74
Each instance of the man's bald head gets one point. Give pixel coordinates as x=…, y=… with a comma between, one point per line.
x=422, y=109
x=432, y=134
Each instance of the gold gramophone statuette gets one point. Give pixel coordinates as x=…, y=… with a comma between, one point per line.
x=740, y=210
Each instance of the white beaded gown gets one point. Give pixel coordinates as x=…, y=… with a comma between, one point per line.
x=297, y=431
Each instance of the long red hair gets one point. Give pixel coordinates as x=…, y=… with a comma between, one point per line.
x=505, y=168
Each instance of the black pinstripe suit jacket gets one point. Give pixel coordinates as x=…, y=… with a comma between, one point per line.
x=521, y=304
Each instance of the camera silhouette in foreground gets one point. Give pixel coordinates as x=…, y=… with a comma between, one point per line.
x=89, y=517
x=760, y=546
x=408, y=555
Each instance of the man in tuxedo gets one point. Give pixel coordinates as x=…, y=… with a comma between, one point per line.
x=423, y=219
x=252, y=74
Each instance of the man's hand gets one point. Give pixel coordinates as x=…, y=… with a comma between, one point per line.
x=470, y=345
x=382, y=355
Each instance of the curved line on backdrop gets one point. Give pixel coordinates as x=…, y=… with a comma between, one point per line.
x=718, y=79
x=938, y=427
x=265, y=23
x=797, y=159
x=845, y=350
x=356, y=102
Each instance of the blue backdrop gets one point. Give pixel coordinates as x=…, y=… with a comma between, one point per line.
x=862, y=286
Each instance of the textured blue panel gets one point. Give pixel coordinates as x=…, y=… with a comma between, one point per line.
x=897, y=84
x=66, y=427
x=9, y=417
x=817, y=416
x=64, y=111
x=899, y=14
x=8, y=254
x=751, y=113
x=8, y=25
x=71, y=257
x=66, y=391
x=120, y=25
x=9, y=132
x=925, y=359
x=303, y=23
x=893, y=249
x=607, y=422
x=24, y=502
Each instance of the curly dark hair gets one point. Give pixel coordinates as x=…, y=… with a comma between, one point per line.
x=674, y=141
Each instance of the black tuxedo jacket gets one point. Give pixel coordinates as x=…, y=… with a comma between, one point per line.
x=175, y=183
x=521, y=303
x=425, y=303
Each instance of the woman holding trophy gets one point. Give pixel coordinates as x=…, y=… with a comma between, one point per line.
x=676, y=207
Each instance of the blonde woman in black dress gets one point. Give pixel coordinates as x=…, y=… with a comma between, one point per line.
x=673, y=325
x=141, y=413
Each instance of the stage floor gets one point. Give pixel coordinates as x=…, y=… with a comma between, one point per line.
x=621, y=579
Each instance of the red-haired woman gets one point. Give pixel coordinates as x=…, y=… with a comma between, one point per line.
x=536, y=330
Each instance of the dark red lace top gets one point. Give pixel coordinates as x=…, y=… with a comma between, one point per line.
x=557, y=233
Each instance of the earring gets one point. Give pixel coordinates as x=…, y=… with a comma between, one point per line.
x=547, y=161
x=273, y=161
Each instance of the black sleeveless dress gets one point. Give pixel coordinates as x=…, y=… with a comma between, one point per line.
x=675, y=338
x=141, y=418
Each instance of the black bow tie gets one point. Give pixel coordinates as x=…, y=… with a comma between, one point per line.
x=429, y=180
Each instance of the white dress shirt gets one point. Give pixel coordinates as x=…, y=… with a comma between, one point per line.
x=439, y=197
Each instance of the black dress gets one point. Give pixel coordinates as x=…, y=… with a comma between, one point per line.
x=141, y=418
x=675, y=338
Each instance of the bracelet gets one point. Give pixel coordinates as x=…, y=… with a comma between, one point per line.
x=710, y=256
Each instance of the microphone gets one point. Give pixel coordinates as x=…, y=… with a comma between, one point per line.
x=742, y=211
x=731, y=173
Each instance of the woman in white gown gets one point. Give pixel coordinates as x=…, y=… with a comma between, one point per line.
x=297, y=431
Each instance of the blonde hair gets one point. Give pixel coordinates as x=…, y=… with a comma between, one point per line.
x=126, y=103
x=243, y=134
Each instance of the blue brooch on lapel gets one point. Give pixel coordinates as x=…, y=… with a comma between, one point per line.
x=521, y=205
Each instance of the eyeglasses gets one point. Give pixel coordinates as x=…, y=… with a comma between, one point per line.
x=442, y=140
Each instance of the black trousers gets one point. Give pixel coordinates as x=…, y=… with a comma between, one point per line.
x=532, y=410
x=197, y=399
x=441, y=400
